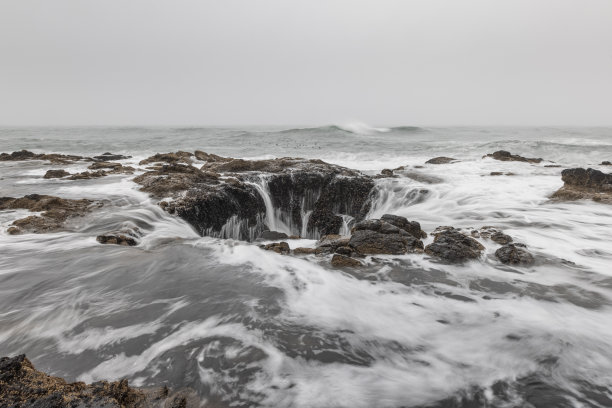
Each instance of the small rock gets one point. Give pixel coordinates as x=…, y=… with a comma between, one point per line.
x=387, y=172
x=278, y=247
x=514, y=254
x=453, y=246
x=440, y=160
x=125, y=237
x=56, y=174
x=110, y=157
x=341, y=261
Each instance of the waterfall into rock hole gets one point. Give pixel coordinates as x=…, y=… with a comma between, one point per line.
x=347, y=224
x=391, y=195
x=273, y=217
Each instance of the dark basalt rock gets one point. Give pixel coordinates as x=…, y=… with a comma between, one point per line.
x=372, y=237
x=493, y=234
x=342, y=261
x=55, y=174
x=441, y=160
x=507, y=156
x=453, y=246
x=55, y=211
x=21, y=385
x=329, y=243
x=278, y=247
x=605, y=163
x=585, y=184
x=514, y=254
x=52, y=157
x=105, y=157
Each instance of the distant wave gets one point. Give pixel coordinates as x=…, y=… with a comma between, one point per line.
x=356, y=128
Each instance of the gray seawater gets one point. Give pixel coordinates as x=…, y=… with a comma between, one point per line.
x=244, y=327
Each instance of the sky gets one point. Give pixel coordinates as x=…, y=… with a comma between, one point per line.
x=306, y=62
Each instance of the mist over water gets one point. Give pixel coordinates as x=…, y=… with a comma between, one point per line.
x=245, y=327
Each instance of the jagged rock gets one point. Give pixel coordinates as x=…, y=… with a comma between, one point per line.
x=171, y=158
x=56, y=174
x=507, y=156
x=453, y=246
x=514, y=254
x=606, y=163
x=278, y=247
x=342, y=261
x=372, y=237
x=585, y=184
x=21, y=385
x=55, y=211
x=411, y=227
x=52, y=157
x=272, y=235
x=304, y=251
x=86, y=175
x=125, y=237
x=440, y=160
x=105, y=157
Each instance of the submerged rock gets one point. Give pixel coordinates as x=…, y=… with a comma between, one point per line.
x=105, y=157
x=372, y=237
x=514, y=254
x=56, y=174
x=606, y=163
x=453, y=246
x=21, y=385
x=55, y=211
x=343, y=261
x=441, y=160
x=585, y=184
x=507, y=156
x=125, y=237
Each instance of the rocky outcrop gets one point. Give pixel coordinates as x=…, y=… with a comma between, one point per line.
x=52, y=157
x=507, y=156
x=605, y=163
x=56, y=174
x=441, y=160
x=55, y=212
x=585, y=184
x=235, y=198
x=172, y=158
x=372, y=237
x=514, y=254
x=452, y=246
x=21, y=385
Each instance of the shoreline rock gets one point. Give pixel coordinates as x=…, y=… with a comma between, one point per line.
x=503, y=155
x=580, y=184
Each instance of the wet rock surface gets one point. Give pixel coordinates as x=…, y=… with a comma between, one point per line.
x=124, y=237
x=582, y=184
x=232, y=197
x=105, y=157
x=453, y=246
x=278, y=247
x=514, y=254
x=172, y=158
x=441, y=160
x=56, y=174
x=52, y=157
x=343, y=261
x=503, y=155
x=21, y=385
x=55, y=211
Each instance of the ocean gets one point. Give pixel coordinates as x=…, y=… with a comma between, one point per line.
x=243, y=327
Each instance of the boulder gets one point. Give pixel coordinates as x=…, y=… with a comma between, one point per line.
x=453, y=246
x=514, y=254
x=606, y=163
x=125, y=237
x=411, y=227
x=585, y=184
x=503, y=155
x=170, y=158
x=342, y=261
x=372, y=237
x=278, y=247
x=55, y=211
x=56, y=174
x=441, y=160
x=387, y=172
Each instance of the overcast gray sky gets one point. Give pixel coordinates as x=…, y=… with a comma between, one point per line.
x=383, y=62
